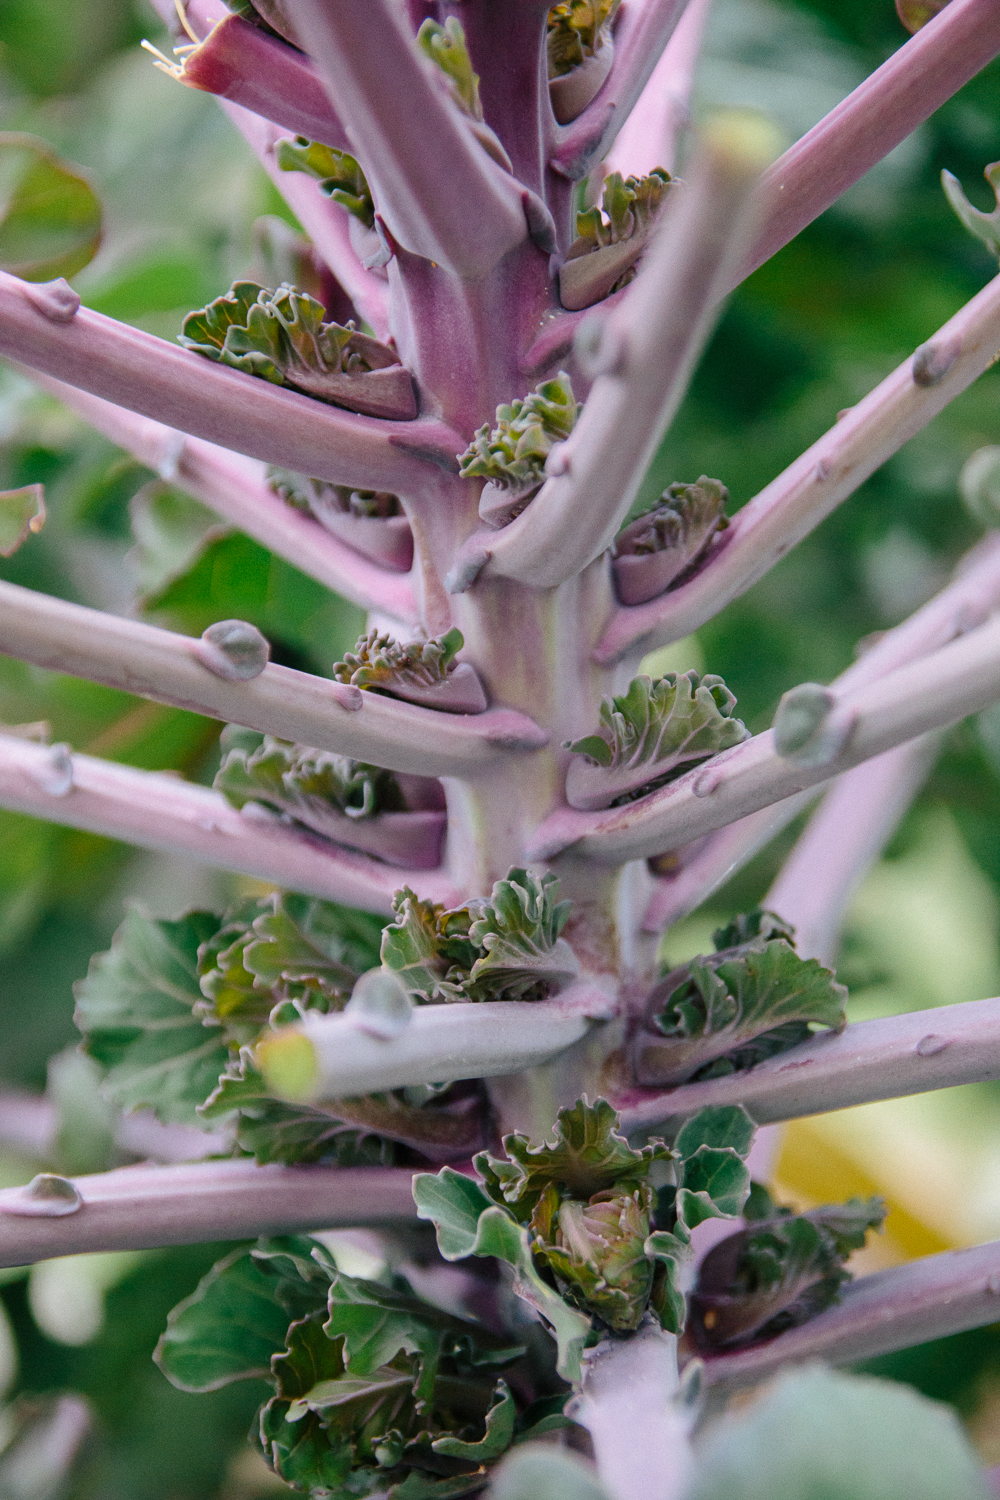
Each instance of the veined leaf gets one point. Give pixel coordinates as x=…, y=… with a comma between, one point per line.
x=337, y=173
x=728, y=1010
x=50, y=216
x=512, y=454
x=779, y=1271
x=306, y=785
x=136, y=1011
x=235, y=1321
x=666, y=724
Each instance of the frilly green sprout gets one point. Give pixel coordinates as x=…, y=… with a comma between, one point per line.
x=445, y=46
x=574, y=32
x=985, y=226
x=304, y=784
x=979, y=485
x=512, y=454
x=504, y=947
x=380, y=661
x=316, y=495
x=284, y=337
x=780, y=1271
x=337, y=173
x=628, y=207
x=729, y=1010
x=683, y=520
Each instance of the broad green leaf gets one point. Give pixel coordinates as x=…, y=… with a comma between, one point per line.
x=819, y=1435
x=719, y=1125
x=22, y=514
x=666, y=724
x=727, y=1010
x=512, y=454
x=228, y=1329
x=454, y=1204
x=412, y=945
x=171, y=532
x=50, y=216
x=713, y=1184
x=499, y=1432
x=135, y=1009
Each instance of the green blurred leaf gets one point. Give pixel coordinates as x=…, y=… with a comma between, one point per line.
x=816, y=1433
x=171, y=532
x=22, y=513
x=135, y=1011
x=50, y=216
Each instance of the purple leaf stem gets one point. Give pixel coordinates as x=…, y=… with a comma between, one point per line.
x=842, y=839
x=649, y=136
x=915, y=81
x=643, y=354
x=156, y=811
x=325, y=222
x=893, y=1309
x=166, y=667
x=889, y=1058
x=486, y=1039
x=235, y=488
x=440, y=194
x=807, y=491
x=959, y=679
x=144, y=1208
x=239, y=411
x=640, y=37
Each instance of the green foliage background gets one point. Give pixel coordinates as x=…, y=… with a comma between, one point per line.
x=809, y=334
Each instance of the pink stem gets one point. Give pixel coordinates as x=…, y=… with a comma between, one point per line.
x=168, y=668
x=843, y=838
x=885, y=1059
x=143, y=1208
x=790, y=507
x=28, y=1124
x=914, y=82
x=238, y=411
x=451, y=204
x=649, y=137
x=912, y=1304
x=235, y=488
x=156, y=811
x=640, y=37
x=325, y=222
x=959, y=679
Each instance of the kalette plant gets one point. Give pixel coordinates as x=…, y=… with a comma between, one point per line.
x=450, y=1011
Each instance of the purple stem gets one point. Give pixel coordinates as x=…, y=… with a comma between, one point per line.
x=236, y=489
x=155, y=811
x=912, y=1304
x=239, y=62
x=325, y=222
x=645, y=352
x=889, y=1058
x=796, y=501
x=144, y=1208
x=960, y=679
x=914, y=82
x=158, y=379
x=168, y=668
x=438, y=192
x=507, y=47
x=649, y=136
x=843, y=838
x=640, y=37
